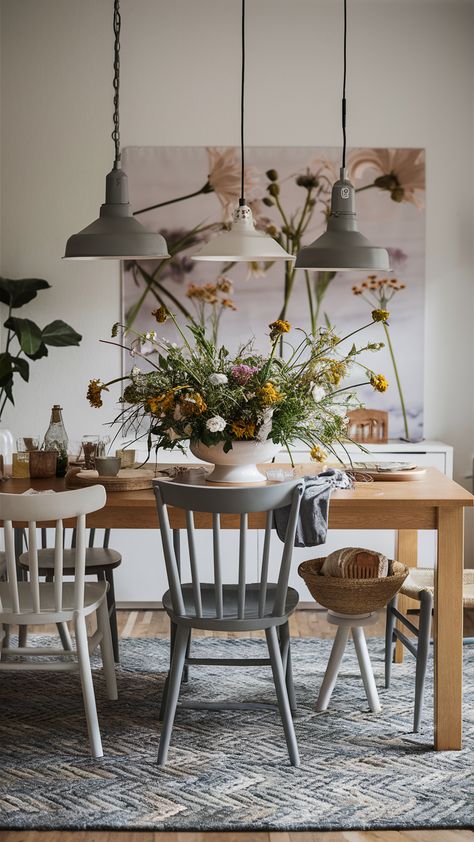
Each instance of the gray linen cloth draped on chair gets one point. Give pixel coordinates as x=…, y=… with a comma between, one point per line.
x=312, y=525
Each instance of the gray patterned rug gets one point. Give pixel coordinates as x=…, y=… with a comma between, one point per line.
x=228, y=771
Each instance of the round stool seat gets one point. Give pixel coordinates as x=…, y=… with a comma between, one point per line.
x=97, y=559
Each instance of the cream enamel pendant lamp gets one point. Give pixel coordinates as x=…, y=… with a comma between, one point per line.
x=116, y=234
x=243, y=242
x=342, y=247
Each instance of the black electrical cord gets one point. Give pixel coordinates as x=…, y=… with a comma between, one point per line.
x=116, y=83
x=344, y=89
x=242, y=91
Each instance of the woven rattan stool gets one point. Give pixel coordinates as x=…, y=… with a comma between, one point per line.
x=347, y=623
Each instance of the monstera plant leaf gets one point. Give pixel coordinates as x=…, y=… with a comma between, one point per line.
x=16, y=293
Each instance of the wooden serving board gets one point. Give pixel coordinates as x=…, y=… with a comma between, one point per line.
x=127, y=479
x=407, y=475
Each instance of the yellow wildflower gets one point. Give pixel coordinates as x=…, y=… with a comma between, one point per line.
x=336, y=371
x=161, y=314
x=193, y=404
x=94, y=393
x=228, y=303
x=379, y=382
x=243, y=429
x=278, y=328
x=380, y=315
x=155, y=404
x=317, y=454
x=269, y=394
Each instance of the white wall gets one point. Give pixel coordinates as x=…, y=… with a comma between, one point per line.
x=410, y=84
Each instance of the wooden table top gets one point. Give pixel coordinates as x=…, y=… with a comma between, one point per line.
x=376, y=505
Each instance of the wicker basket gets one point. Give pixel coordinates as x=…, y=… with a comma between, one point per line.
x=351, y=596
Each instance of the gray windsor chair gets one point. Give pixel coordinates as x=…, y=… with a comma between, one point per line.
x=237, y=607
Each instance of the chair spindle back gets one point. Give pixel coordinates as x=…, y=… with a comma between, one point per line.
x=38, y=509
x=239, y=503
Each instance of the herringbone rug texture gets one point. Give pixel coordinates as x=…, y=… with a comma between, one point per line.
x=228, y=770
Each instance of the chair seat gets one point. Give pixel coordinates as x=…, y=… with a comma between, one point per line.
x=422, y=579
x=230, y=601
x=94, y=594
x=97, y=558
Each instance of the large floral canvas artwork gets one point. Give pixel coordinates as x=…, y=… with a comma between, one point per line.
x=188, y=194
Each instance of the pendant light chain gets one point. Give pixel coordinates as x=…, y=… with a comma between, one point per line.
x=116, y=83
x=344, y=89
x=242, y=97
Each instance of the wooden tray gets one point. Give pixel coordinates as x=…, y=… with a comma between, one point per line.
x=127, y=479
x=406, y=475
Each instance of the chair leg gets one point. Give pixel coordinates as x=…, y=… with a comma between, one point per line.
x=174, y=686
x=389, y=629
x=285, y=648
x=65, y=636
x=109, y=576
x=164, y=696
x=423, y=651
x=332, y=668
x=282, y=694
x=87, y=685
x=365, y=666
x=5, y=639
x=107, y=650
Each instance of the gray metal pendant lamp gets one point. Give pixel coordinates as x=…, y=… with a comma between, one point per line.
x=116, y=234
x=243, y=242
x=342, y=247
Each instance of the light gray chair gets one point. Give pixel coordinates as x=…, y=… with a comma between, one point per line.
x=418, y=586
x=42, y=603
x=236, y=607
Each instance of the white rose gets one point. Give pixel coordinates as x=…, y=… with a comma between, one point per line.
x=318, y=393
x=216, y=424
x=218, y=379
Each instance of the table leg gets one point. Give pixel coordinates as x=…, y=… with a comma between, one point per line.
x=448, y=629
x=406, y=551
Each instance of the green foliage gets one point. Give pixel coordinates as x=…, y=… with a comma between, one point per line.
x=29, y=338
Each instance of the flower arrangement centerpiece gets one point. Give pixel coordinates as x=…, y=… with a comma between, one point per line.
x=239, y=409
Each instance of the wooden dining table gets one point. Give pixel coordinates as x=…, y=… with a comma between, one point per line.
x=432, y=502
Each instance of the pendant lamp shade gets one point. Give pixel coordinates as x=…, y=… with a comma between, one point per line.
x=116, y=234
x=243, y=242
x=342, y=247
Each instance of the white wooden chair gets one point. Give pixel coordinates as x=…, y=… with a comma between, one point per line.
x=43, y=603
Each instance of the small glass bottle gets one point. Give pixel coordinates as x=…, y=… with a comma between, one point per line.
x=56, y=439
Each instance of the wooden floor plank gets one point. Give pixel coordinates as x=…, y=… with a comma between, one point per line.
x=315, y=836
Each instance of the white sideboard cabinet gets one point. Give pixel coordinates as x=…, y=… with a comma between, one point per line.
x=141, y=579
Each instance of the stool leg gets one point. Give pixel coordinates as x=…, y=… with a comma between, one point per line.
x=422, y=653
x=366, y=668
x=109, y=576
x=332, y=668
